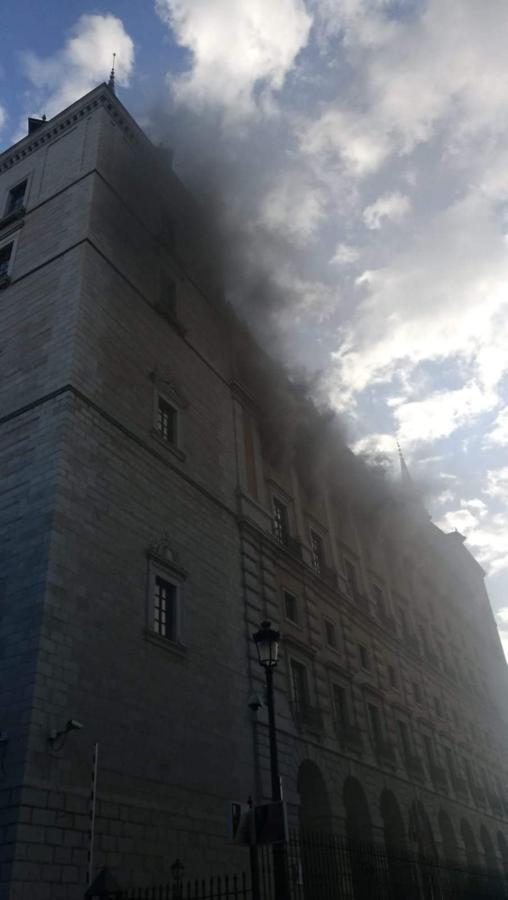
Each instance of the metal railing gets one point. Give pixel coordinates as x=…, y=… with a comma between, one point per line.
x=325, y=866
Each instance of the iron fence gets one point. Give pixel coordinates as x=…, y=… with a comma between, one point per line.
x=332, y=867
x=227, y=887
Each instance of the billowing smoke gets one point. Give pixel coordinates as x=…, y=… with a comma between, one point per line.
x=250, y=270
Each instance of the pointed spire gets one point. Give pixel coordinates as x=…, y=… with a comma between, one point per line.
x=111, y=82
x=405, y=475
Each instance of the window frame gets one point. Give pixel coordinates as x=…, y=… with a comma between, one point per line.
x=11, y=239
x=363, y=653
x=8, y=217
x=298, y=620
x=294, y=663
x=166, y=568
x=279, y=505
x=319, y=558
x=165, y=391
x=328, y=623
x=19, y=210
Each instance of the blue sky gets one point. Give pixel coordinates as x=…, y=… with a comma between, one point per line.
x=362, y=152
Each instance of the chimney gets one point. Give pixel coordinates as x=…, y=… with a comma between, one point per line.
x=34, y=124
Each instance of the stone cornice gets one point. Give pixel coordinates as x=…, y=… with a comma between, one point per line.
x=101, y=96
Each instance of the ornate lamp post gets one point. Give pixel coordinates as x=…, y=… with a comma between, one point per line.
x=267, y=645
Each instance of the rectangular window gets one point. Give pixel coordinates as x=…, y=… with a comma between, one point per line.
x=167, y=418
x=291, y=607
x=318, y=556
x=364, y=656
x=350, y=572
x=403, y=621
x=340, y=706
x=331, y=637
x=450, y=763
x=379, y=600
x=375, y=724
x=280, y=522
x=164, y=608
x=5, y=258
x=429, y=750
x=16, y=198
x=405, y=743
x=299, y=684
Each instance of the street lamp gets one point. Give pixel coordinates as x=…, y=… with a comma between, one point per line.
x=267, y=646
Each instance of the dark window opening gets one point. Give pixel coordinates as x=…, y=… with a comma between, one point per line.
x=340, y=706
x=379, y=600
x=405, y=743
x=15, y=198
x=392, y=675
x=166, y=421
x=299, y=685
x=318, y=556
x=280, y=522
x=375, y=724
x=331, y=637
x=350, y=571
x=291, y=607
x=164, y=609
x=5, y=258
x=364, y=656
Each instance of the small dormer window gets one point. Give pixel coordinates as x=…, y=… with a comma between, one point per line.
x=16, y=198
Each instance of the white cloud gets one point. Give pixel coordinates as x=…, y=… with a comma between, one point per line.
x=497, y=483
x=345, y=139
x=440, y=414
x=81, y=64
x=3, y=116
x=461, y=519
x=390, y=207
x=372, y=444
x=499, y=433
x=444, y=295
x=238, y=47
x=344, y=255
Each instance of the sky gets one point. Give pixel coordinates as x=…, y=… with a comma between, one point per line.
x=361, y=147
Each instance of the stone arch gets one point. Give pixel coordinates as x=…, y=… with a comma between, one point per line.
x=401, y=876
x=359, y=838
x=502, y=846
x=420, y=831
x=393, y=823
x=317, y=863
x=448, y=837
x=470, y=846
x=421, y=839
x=315, y=813
x=489, y=852
x=358, y=820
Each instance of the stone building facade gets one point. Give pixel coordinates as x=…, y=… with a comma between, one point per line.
x=154, y=509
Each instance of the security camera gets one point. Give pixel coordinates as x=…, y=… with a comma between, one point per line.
x=73, y=725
